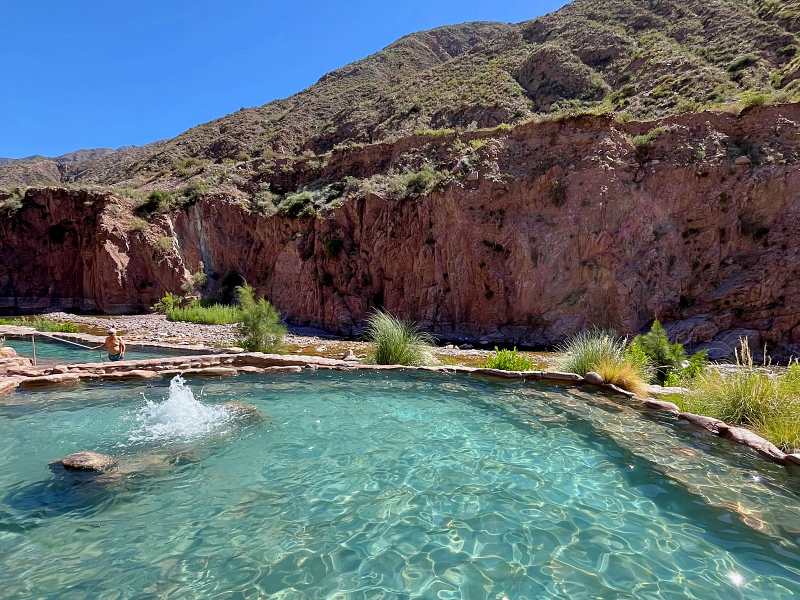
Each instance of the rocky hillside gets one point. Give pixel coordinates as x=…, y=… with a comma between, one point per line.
x=616, y=161
x=640, y=59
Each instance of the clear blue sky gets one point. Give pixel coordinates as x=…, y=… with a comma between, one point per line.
x=81, y=74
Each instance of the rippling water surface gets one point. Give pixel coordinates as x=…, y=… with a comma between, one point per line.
x=385, y=486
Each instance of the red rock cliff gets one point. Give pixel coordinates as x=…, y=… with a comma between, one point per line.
x=565, y=225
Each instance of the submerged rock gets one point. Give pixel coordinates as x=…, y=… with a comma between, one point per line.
x=743, y=436
x=713, y=425
x=88, y=461
x=661, y=405
x=50, y=380
x=244, y=411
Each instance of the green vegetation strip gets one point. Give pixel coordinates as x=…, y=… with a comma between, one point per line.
x=41, y=324
x=259, y=325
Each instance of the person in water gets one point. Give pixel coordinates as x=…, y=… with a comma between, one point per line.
x=114, y=346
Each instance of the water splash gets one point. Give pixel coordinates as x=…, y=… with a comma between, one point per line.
x=180, y=416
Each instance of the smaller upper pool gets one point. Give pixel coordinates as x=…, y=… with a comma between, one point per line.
x=52, y=352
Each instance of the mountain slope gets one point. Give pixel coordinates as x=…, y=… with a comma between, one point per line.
x=641, y=59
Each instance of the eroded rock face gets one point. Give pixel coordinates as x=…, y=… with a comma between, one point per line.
x=74, y=250
x=88, y=461
x=568, y=226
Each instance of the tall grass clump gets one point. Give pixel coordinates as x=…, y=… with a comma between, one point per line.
x=622, y=373
x=197, y=312
x=606, y=354
x=395, y=342
x=588, y=348
x=509, y=360
x=260, y=328
x=751, y=397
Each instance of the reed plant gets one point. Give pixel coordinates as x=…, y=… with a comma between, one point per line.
x=212, y=314
x=396, y=342
x=751, y=397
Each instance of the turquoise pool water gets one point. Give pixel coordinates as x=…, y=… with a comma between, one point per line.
x=371, y=485
x=58, y=353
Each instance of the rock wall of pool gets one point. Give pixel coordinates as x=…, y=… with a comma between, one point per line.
x=381, y=483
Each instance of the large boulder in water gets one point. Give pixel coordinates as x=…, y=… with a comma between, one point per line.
x=88, y=461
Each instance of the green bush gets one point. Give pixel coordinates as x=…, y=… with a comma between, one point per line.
x=41, y=324
x=196, y=282
x=137, y=224
x=753, y=98
x=645, y=139
x=157, y=201
x=163, y=201
x=192, y=193
x=213, y=314
x=264, y=201
x=298, y=205
x=742, y=62
x=509, y=360
x=260, y=328
x=669, y=361
x=185, y=167
x=478, y=143
x=694, y=366
x=168, y=302
x=165, y=244
x=396, y=342
x=434, y=133
x=421, y=182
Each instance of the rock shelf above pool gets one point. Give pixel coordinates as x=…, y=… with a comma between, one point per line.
x=26, y=376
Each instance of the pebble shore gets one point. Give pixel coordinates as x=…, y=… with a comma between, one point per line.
x=306, y=340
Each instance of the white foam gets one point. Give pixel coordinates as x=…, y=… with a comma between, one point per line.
x=179, y=416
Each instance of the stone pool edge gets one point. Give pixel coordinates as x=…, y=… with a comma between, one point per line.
x=235, y=363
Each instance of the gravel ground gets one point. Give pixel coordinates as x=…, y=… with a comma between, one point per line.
x=156, y=328
x=305, y=340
